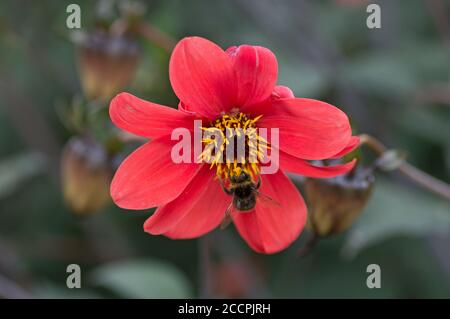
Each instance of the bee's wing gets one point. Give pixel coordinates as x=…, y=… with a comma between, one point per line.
x=266, y=200
x=227, y=218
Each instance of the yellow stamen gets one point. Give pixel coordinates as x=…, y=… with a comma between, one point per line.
x=230, y=127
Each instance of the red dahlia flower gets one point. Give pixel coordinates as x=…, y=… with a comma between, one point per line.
x=223, y=89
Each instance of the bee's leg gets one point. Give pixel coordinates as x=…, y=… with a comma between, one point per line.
x=258, y=184
x=226, y=190
x=227, y=219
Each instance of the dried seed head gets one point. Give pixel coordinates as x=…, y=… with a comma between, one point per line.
x=336, y=203
x=86, y=175
x=106, y=64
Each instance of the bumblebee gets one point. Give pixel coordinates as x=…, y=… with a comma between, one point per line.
x=245, y=193
x=243, y=190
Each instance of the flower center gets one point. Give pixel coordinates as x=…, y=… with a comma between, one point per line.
x=233, y=144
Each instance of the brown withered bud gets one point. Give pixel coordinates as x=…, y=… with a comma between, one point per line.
x=86, y=174
x=335, y=203
x=106, y=63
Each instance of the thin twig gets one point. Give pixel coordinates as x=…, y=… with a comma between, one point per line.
x=204, y=267
x=157, y=36
x=419, y=177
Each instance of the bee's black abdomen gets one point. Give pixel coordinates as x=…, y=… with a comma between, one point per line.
x=243, y=191
x=244, y=198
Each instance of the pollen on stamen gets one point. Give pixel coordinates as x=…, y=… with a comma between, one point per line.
x=224, y=132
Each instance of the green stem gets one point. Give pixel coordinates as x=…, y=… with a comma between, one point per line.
x=204, y=266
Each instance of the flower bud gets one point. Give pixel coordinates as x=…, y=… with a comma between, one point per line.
x=86, y=175
x=335, y=203
x=106, y=63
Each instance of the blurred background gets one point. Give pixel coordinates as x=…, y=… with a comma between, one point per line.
x=58, y=149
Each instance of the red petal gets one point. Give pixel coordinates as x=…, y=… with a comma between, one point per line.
x=266, y=107
x=183, y=108
x=197, y=211
x=148, y=177
x=202, y=77
x=282, y=92
x=144, y=118
x=309, y=129
x=256, y=70
x=270, y=227
x=292, y=164
x=352, y=145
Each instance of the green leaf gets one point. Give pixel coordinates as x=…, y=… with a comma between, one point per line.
x=395, y=210
x=17, y=169
x=143, y=279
